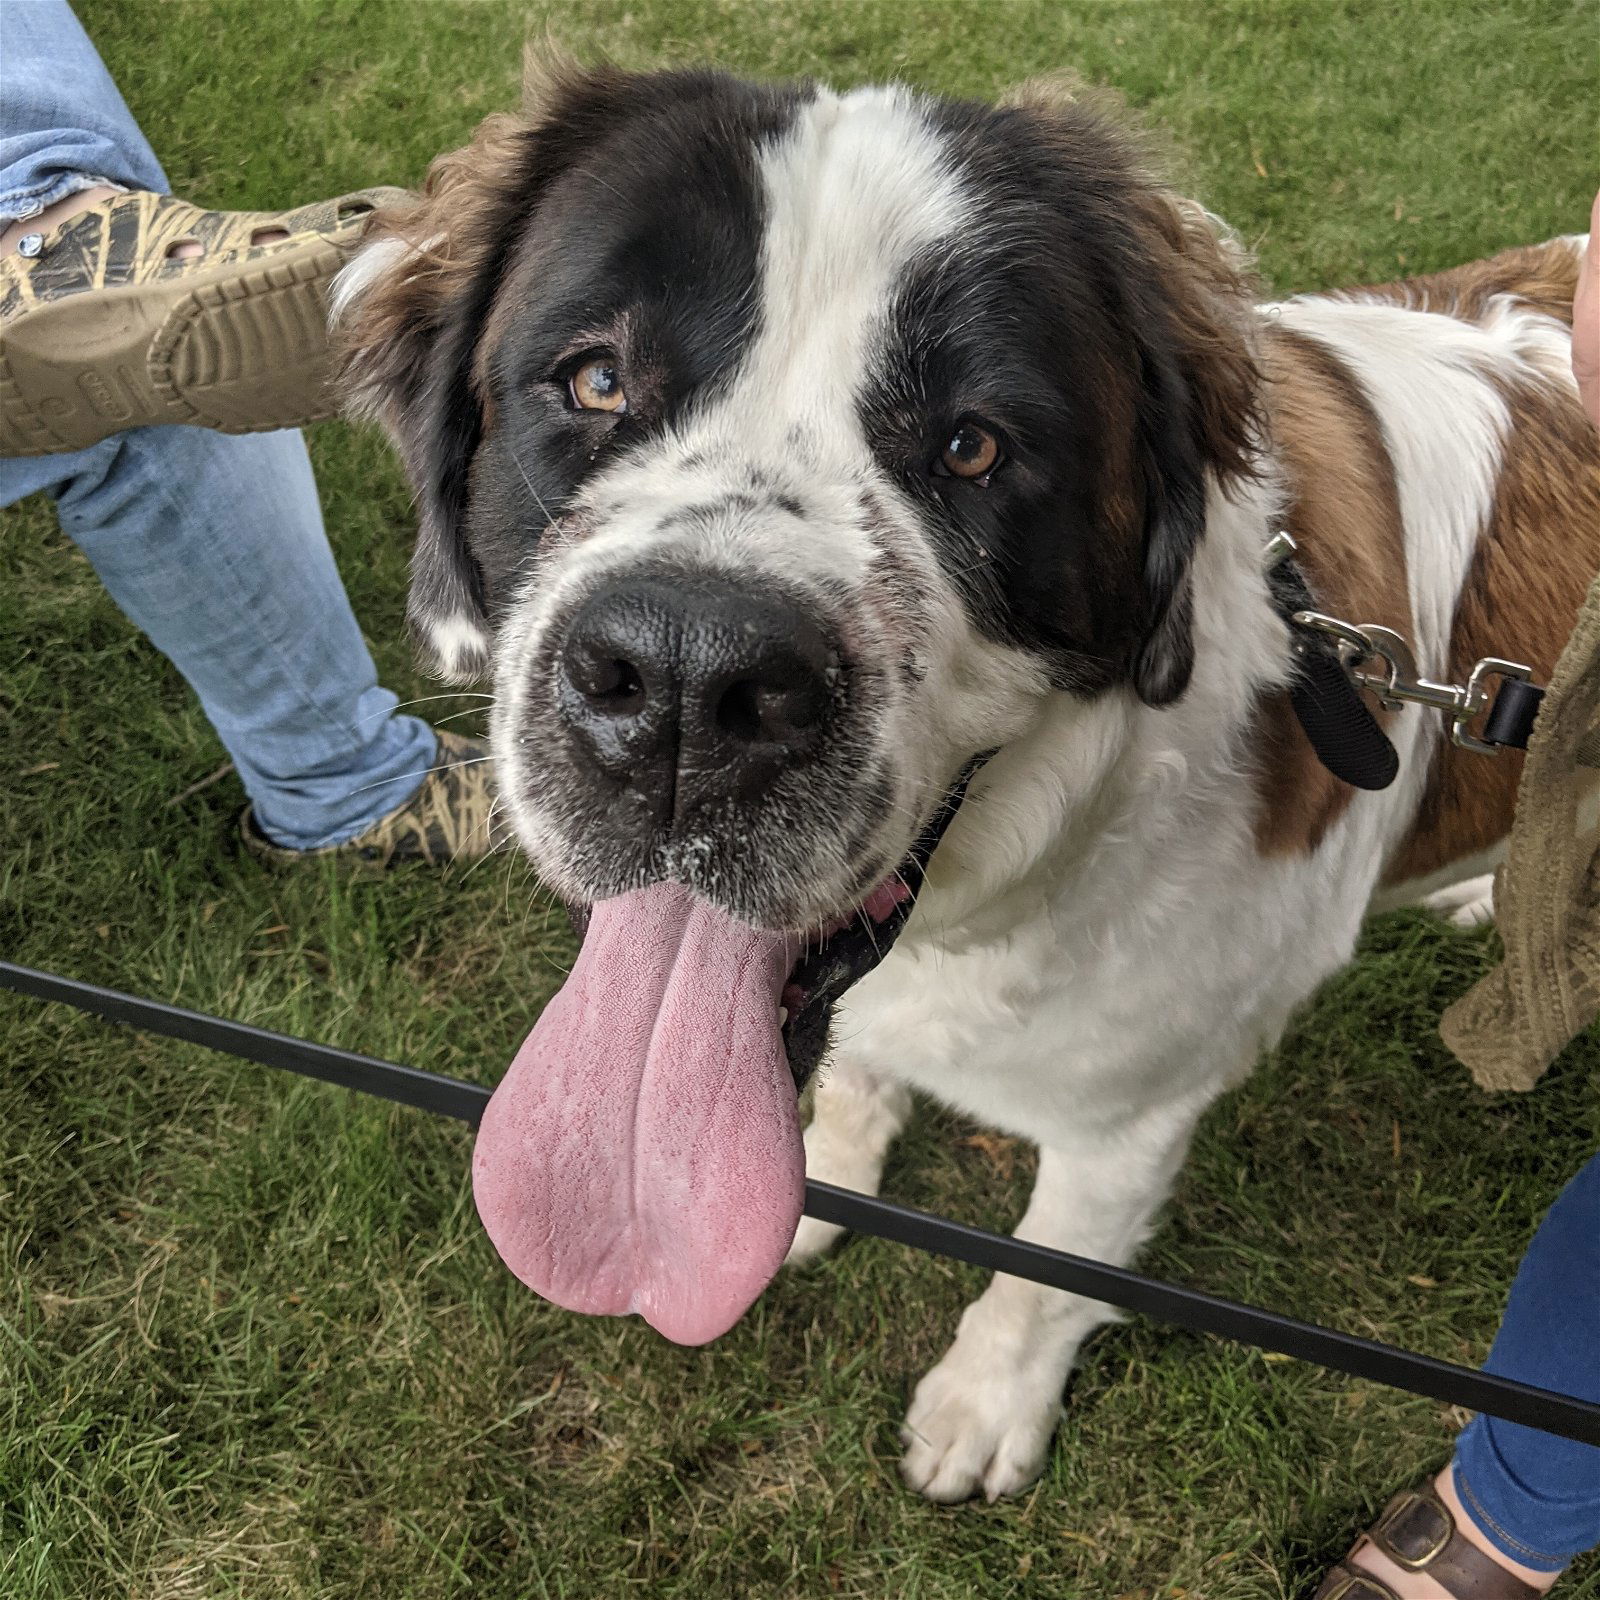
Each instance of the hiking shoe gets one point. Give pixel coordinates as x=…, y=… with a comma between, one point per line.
x=103, y=328
x=450, y=818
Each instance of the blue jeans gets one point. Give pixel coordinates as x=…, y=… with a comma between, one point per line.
x=212, y=544
x=1535, y=1496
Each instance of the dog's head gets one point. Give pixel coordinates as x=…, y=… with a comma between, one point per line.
x=777, y=451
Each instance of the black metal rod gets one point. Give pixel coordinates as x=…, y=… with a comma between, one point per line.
x=1545, y=1409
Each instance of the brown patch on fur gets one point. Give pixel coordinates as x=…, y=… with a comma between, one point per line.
x=1541, y=277
x=1207, y=280
x=446, y=231
x=1177, y=384
x=1210, y=288
x=1344, y=514
x=1532, y=567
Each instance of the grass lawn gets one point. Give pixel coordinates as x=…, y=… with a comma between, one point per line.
x=252, y=1341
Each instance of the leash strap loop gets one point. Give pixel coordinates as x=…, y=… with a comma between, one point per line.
x=1342, y=730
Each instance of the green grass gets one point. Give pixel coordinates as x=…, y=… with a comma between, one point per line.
x=252, y=1342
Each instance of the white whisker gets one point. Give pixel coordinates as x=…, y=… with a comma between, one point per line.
x=422, y=700
x=471, y=711
x=405, y=776
x=538, y=499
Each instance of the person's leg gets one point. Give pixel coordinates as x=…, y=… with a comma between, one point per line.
x=1528, y=1500
x=123, y=306
x=214, y=546
x=1537, y=1497
x=63, y=128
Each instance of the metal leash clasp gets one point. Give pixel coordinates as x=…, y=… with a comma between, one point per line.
x=1397, y=682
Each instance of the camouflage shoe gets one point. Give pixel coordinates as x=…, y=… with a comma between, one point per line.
x=103, y=327
x=450, y=818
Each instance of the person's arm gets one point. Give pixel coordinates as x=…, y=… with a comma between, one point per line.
x=1586, y=322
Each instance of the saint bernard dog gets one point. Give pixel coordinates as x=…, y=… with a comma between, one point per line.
x=812, y=472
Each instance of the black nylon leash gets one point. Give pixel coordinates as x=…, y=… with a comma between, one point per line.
x=1505, y=1398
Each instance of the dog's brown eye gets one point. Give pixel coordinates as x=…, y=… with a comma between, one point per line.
x=972, y=452
x=597, y=386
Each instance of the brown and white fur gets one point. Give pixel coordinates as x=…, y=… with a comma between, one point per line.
x=1434, y=466
x=1153, y=871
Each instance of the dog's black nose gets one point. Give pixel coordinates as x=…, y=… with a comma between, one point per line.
x=687, y=690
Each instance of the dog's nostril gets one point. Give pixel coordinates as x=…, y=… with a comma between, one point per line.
x=752, y=710
x=739, y=711
x=619, y=684
x=608, y=682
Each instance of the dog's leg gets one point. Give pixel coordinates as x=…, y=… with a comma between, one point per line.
x=853, y=1122
x=982, y=1419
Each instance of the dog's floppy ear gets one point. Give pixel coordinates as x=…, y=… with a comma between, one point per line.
x=1178, y=285
x=1197, y=411
x=407, y=315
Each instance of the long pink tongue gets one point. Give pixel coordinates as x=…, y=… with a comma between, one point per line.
x=643, y=1152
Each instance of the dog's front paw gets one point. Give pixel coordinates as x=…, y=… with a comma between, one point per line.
x=977, y=1423
x=1469, y=904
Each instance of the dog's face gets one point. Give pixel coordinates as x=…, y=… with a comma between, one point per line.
x=778, y=451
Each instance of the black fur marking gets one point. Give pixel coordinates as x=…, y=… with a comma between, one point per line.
x=1049, y=324
x=708, y=511
x=636, y=220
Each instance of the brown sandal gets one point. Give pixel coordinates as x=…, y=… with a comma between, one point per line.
x=1418, y=1533
x=106, y=325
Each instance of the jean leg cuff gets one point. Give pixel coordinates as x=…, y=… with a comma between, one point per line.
x=21, y=204
x=1501, y=1538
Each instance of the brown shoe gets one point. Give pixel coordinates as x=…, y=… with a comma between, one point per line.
x=450, y=818
x=1418, y=1533
x=103, y=328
